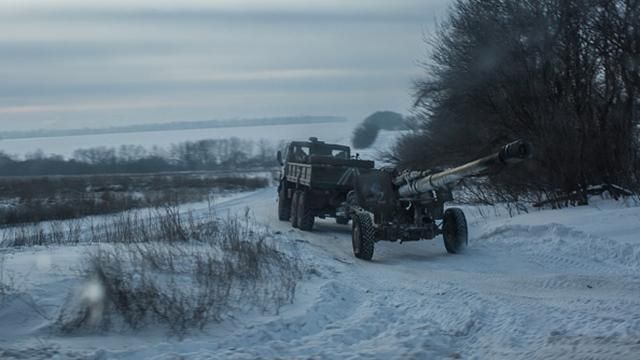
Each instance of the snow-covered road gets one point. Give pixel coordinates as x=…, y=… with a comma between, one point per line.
x=550, y=284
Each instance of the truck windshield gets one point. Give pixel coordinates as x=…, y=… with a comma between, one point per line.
x=299, y=153
x=340, y=153
x=330, y=151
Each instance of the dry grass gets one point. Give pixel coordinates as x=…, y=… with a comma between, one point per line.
x=35, y=199
x=51, y=233
x=180, y=272
x=165, y=223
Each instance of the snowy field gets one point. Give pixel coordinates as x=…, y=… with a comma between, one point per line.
x=549, y=284
x=65, y=145
x=331, y=132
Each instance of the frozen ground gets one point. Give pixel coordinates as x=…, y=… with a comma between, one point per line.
x=65, y=145
x=550, y=284
x=330, y=132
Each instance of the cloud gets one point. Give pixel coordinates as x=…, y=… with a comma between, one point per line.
x=227, y=7
x=110, y=105
x=94, y=61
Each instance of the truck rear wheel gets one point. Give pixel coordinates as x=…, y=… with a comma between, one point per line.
x=363, y=236
x=305, y=214
x=284, y=205
x=454, y=231
x=294, y=209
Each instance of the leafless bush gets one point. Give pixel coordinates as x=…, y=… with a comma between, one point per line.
x=479, y=191
x=515, y=200
x=184, y=275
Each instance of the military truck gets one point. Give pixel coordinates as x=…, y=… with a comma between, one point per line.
x=314, y=181
x=324, y=180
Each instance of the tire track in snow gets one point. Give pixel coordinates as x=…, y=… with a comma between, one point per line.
x=398, y=307
x=564, y=247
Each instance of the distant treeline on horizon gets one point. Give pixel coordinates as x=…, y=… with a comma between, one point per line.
x=187, y=125
x=202, y=155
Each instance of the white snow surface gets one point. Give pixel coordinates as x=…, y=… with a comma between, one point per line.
x=548, y=284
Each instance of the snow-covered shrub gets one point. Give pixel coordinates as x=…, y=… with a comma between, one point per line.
x=213, y=269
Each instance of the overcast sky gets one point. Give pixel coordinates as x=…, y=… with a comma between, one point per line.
x=67, y=64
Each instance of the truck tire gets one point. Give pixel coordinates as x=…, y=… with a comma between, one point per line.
x=294, y=209
x=305, y=214
x=342, y=220
x=284, y=205
x=454, y=231
x=363, y=236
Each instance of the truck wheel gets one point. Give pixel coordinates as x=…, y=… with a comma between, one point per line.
x=342, y=220
x=305, y=214
x=363, y=236
x=454, y=231
x=294, y=209
x=284, y=205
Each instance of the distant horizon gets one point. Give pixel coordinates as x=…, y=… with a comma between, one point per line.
x=174, y=125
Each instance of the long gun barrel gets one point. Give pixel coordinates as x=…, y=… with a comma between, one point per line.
x=419, y=182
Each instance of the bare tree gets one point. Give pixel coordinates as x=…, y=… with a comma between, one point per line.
x=563, y=74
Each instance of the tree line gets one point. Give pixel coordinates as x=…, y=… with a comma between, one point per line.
x=365, y=134
x=213, y=154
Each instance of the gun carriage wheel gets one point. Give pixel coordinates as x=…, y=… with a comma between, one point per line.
x=363, y=236
x=454, y=230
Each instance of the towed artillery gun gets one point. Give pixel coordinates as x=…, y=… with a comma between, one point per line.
x=324, y=180
x=408, y=206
